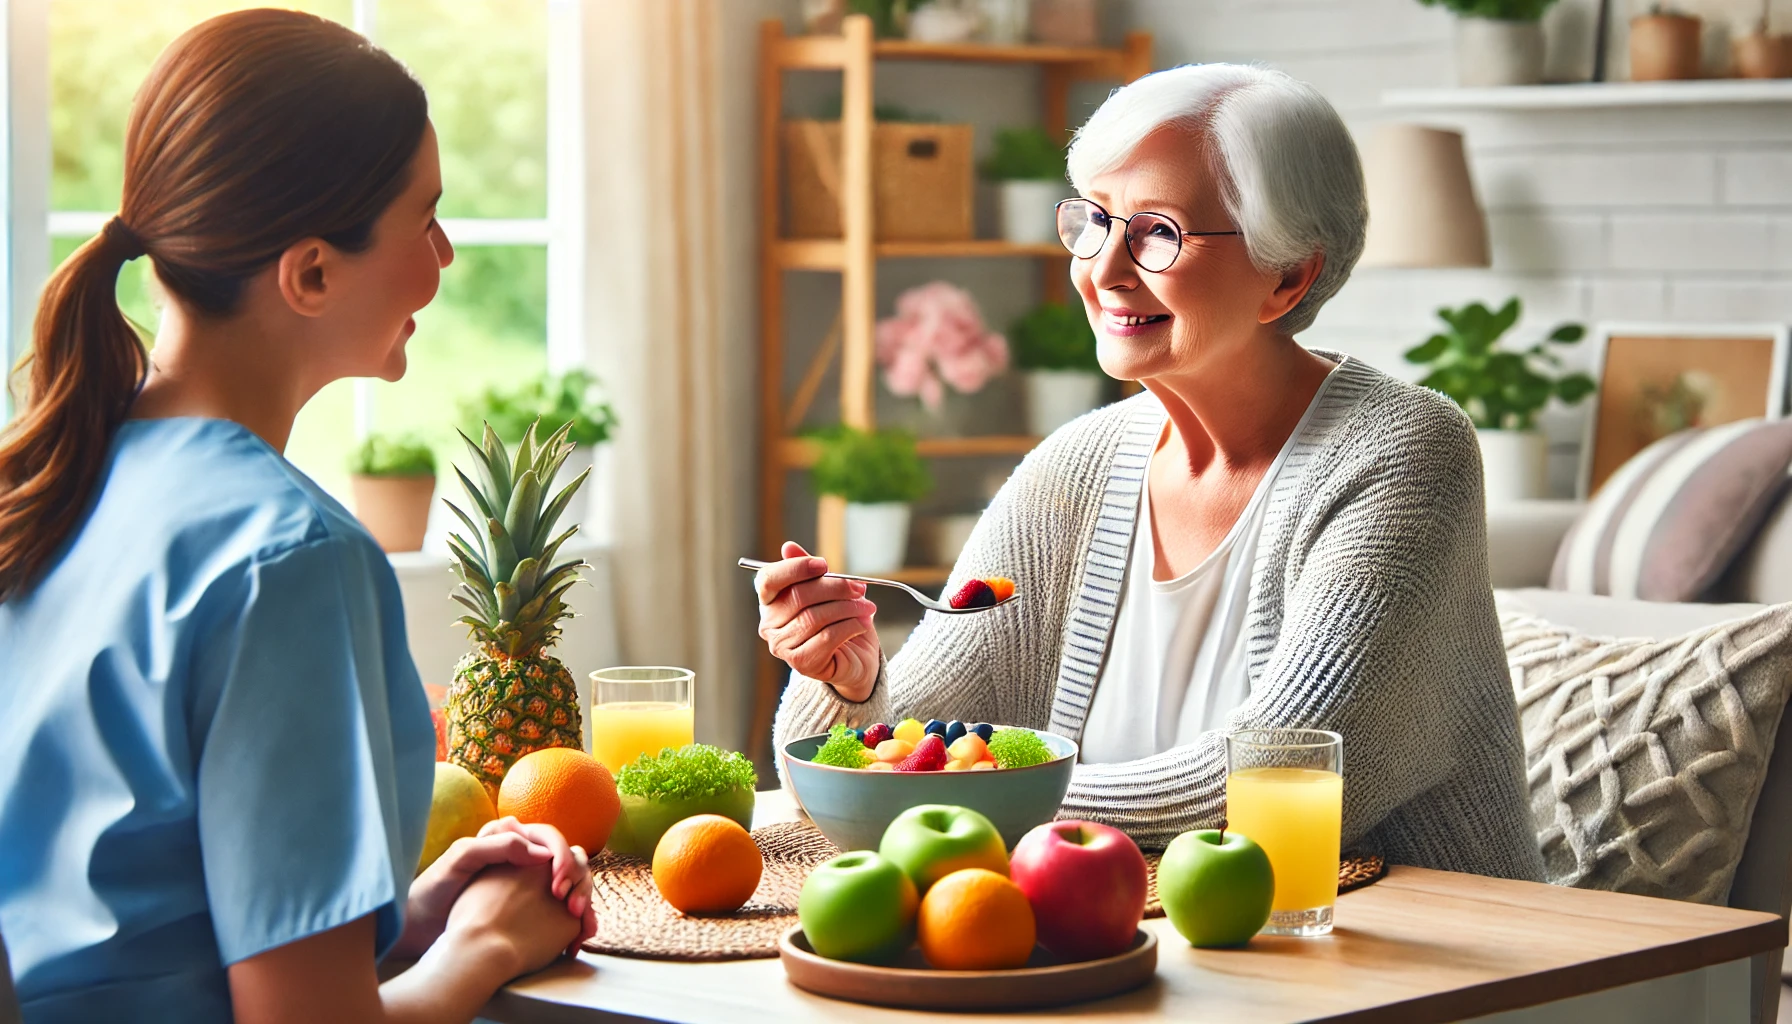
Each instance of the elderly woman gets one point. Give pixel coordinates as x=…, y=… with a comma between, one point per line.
x=1269, y=536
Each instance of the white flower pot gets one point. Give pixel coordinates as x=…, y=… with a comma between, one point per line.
x=1491, y=52
x=1516, y=464
x=1029, y=210
x=876, y=537
x=1055, y=397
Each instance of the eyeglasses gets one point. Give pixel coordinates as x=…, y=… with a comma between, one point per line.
x=1153, y=240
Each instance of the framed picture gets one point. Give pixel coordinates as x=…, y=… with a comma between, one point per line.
x=1655, y=379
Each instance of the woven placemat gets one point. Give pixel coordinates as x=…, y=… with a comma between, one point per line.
x=633, y=921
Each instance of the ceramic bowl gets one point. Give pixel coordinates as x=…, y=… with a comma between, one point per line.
x=852, y=807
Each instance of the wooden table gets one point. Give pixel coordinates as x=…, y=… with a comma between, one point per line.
x=1417, y=946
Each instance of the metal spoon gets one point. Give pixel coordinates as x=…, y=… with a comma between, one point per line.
x=921, y=599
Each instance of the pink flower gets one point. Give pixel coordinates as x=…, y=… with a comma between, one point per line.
x=937, y=335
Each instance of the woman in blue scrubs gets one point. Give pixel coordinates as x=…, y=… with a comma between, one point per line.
x=215, y=753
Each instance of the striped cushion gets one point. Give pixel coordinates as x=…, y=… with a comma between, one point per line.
x=1670, y=520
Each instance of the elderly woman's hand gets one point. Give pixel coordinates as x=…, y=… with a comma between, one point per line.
x=820, y=627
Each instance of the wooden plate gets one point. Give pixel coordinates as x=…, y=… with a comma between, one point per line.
x=910, y=983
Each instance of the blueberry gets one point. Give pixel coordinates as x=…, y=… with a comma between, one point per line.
x=936, y=727
x=984, y=729
x=859, y=734
x=954, y=730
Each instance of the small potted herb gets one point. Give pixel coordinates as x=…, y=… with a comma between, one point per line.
x=393, y=480
x=554, y=400
x=1502, y=391
x=1054, y=347
x=1498, y=42
x=1666, y=45
x=661, y=790
x=880, y=474
x=1027, y=166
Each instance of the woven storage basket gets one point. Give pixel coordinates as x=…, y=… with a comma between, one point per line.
x=921, y=180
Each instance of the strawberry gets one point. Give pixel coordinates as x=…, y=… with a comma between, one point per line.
x=929, y=756
x=877, y=734
x=974, y=594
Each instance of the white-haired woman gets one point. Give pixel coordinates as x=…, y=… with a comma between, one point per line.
x=1269, y=536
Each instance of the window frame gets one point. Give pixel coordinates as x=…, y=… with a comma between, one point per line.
x=30, y=225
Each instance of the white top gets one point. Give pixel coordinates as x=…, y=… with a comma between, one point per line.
x=1176, y=662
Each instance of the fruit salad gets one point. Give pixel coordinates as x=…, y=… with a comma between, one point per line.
x=983, y=593
x=910, y=746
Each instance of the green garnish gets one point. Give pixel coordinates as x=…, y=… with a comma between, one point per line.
x=843, y=749
x=688, y=773
x=1018, y=748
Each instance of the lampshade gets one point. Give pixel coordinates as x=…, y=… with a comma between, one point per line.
x=1422, y=209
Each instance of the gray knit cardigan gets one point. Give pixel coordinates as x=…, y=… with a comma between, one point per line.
x=1370, y=615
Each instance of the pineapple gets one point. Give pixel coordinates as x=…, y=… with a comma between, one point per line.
x=510, y=697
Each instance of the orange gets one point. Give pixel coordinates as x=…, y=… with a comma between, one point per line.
x=564, y=788
x=707, y=864
x=975, y=920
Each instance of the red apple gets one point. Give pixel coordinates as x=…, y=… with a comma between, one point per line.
x=1086, y=883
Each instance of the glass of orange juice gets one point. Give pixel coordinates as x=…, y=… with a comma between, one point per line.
x=637, y=711
x=1285, y=789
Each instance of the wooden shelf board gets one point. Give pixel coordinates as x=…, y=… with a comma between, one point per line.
x=830, y=253
x=1586, y=95
x=800, y=452
x=829, y=51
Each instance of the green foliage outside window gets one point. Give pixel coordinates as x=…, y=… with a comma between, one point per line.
x=1054, y=336
x=1495, y=10
x=554, y=400
x=484, y=64
x=870, y=467
x=383, y=455
x=1499, y=389
x=1025, y=154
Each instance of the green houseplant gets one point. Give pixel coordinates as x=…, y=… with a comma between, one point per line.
x=552, y=400
x=1054, y=347
x=1498, y=42
x=880, y=474
x=1502, y=390
x=1027, y=165
x=392, y=480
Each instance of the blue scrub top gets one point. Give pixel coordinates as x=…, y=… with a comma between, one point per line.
x=213, y=740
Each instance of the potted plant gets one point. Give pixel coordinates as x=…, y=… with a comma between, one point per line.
x=1498, y=42
x=880, y=474
x=1055, y=350
x=1502, y=391
x=1027, y=166
x=1665, y=46
x=937, y=340
x=554, y=400
x=393, y=480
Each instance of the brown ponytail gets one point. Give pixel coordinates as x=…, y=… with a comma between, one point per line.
x=253, y=131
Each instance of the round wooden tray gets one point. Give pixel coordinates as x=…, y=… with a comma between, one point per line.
x=911, y=984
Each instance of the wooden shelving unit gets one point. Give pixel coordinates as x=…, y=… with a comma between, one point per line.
x=854, y=53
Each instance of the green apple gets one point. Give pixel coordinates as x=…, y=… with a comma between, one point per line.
x=1216, y=887
x=930, y=841
x=858, y=906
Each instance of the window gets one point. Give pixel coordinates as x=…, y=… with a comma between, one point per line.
x=485, y=66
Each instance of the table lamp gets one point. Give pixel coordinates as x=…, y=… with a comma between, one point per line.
x=1422, y=208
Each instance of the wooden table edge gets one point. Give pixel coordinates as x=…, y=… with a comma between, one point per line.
x=1764, y=935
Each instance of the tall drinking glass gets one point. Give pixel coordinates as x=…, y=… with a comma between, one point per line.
x=1285, y=789
x=637, y=711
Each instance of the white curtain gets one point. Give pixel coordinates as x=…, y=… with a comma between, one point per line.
x=667, y=310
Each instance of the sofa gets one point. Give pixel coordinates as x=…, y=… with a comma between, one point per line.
x=1522, y=540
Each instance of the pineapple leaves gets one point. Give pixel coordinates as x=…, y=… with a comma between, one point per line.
x=551, y=514
x=523, y=580
x=525, y=505
x=498, y=465
x=503, y=551
x=508, y=604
